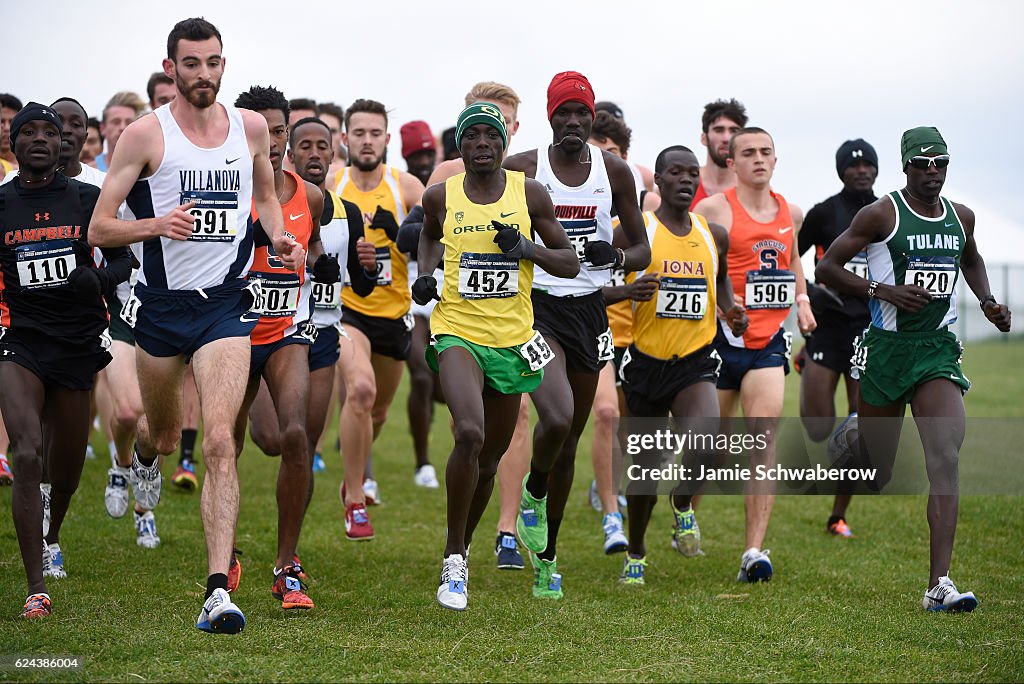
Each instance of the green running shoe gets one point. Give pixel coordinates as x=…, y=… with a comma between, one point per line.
x=633, y=570
x=547, y=581
x=532, y=523
x=686, y=533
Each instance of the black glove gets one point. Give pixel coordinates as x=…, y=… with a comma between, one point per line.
x=424, y=289
x=87, y=283
x=385, y=220
x=512, y=243
x=326, y=269
x=601, y=255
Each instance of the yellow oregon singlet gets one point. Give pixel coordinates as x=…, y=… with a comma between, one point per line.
x=620, y=314
x=391, y=297
x=681, y=318
x=486, y=295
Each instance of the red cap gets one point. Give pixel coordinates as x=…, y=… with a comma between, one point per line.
x=416, y=136
x=569, y=86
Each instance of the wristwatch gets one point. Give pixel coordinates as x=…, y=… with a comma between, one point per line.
x=987, y=298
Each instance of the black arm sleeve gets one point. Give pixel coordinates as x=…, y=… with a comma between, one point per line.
x=409, y=233
x=117, y=270
x=810, y=231
x=362, y=284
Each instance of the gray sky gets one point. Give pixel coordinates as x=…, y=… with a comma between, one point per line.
x=812, y=73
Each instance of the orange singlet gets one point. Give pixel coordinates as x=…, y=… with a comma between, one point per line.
x=758, y=259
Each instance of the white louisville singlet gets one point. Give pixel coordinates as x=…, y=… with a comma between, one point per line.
x=219, y=181
x=585, y=214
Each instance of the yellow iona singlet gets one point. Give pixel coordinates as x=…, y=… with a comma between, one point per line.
x=620, y=314
x=681, y=318
x=486, y=295
x=391, y=297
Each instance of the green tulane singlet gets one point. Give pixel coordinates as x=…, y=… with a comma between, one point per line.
x=919, y=251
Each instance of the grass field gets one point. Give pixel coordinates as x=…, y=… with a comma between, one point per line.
x=836, y=610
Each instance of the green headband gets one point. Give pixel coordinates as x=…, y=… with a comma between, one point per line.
x=923, y=140
x=481, y=113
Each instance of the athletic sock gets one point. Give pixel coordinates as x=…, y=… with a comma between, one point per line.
x=112, y=450
x=550, y=552
x=833, y=519
x=148, y=462
x=678, y=501
x=537, y=483
x=218, y=580
x=188, y=445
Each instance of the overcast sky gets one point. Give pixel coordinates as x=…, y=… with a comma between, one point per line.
x=812, y=73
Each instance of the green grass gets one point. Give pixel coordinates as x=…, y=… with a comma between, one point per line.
x=836, y=610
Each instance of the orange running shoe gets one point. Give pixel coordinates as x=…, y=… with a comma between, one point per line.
x=234, y=570
x=840, y=529
x=185, y=476
x=37, y=606
x=289, y=590
x=6, y=475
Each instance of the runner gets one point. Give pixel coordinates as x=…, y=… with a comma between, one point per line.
x=484, y=348
x=9, y=108
x=719, y=123
x=193, y=170
x=159, y=89
x=122, y=109
x=918, y=243
x=419, y=149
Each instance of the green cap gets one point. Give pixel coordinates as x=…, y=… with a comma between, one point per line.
x=477, y=113
x=924, y=140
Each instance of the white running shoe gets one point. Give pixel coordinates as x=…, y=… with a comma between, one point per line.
x=614, y=537
x=44, y=493
x=145, y=530
x=55, y=567
x=944, y=596
x=426, y=476
x=219, y=615
x=146, y=482
x=90, y=454
x=452, y=592
x=116, y=494
x=839, y=451
x=595, y=498
x=371, y=492
x=755, y=566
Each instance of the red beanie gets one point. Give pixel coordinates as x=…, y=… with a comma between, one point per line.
x=416, y=136
x=569, y=86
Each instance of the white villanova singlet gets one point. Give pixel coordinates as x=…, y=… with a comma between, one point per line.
x=219, y=181
x=585, y=214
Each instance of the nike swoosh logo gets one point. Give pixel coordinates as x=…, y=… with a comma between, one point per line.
x=925, y=149
x=783, y=231
x=245, y=319
x=948, y=225
x=508, y=214
x=231, y=161
x=294, y=217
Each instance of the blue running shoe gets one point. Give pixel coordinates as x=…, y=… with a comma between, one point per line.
x=755, y=566
x=507, y=551
x=220, y=615
x=319, y=465
x=633, y=570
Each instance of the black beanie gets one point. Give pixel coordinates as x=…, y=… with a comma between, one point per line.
x=853, y=151
x=34, y=111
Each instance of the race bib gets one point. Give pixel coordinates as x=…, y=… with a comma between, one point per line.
x=682, y=298
x=937, y=274
x=770, y=289
x=579, y=235
x=606, y=346
x=858, y=266
x=214, y=217
x=618, y=277
x=383, y=266
x=45, y=264
x=130, y=310
x=536, y=352
x=326, y=296
x=277, y=297
x=487, y=276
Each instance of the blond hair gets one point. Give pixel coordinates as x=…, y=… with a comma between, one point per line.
x=126, y=98
x=490, y=90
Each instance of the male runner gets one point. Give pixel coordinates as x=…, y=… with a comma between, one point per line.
x=484, y=347
x=52, y=335
x=191, y=172
x=122, y=109
x=762, y=229
x=160, y=89
x=93, y=143
x=334, y=116
x=419, y=149
x=720, y=121
x=376, y=324
x=584, y=183
x=671, y=365
x=918, y=243
x=841, y=319
x=9, y=108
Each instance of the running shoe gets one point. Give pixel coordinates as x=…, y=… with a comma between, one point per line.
x=840, y=529
x=90, y=453
x=55, y=568
x=219, y=615
x=234, y=570
x=185, y=476
x=319, y=465
x=357, y=523
x=298, y=566
x=595, y=498
x=145, y=530
x=371, y=492
x=37, y=606
x=532, y=523
x=547, y=581
x=839, y=443
x=116, y=495
x=289, y=590
x=44, y=492
x=686, y=533
x=507, y=551
x=944, y=597
x=146, y=482
x=633, y=570
x=755, y=566
x=452, y=592
x=614, y=537
x=6, y=475
x=426, y=477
